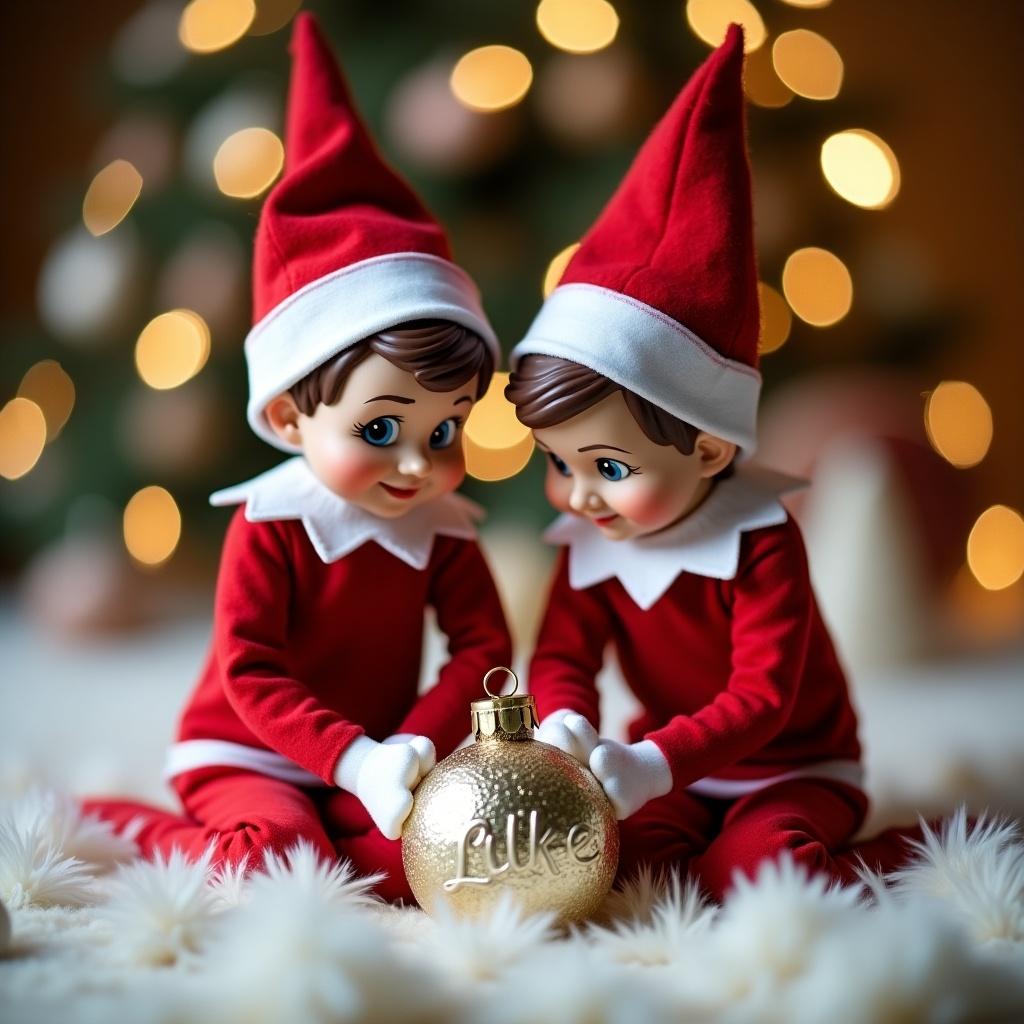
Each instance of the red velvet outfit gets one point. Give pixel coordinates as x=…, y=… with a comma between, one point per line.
x=308, y=654
x=741, y=687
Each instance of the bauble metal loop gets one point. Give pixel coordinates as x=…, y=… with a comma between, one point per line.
x=508, y=671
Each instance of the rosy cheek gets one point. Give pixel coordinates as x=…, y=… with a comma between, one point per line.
x=349, y=471
x=645, y=503
x=449, y=470
x=558, y=490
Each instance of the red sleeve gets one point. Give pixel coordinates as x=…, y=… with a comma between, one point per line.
x=251, y=635
x=570, y=648
x=771, y=617
x=469, y=613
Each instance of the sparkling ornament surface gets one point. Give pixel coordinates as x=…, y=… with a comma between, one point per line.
x=510, y=814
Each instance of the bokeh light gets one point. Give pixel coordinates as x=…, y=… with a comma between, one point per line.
x=817, y=286
x=808, y=5
x=958, y=422
x=495, y=443
x=760, y=82
x=776, y=319
x=272, y=15
x=152, y=526
x=22, y=437
x=210, y=25
x=577, y=26
x=53, y=391
x=709, y=20
x=491, y=78
x=808, y=64
x=861, y=168
x=556, y=268
x=995, y=547
x=172, y=348
x=247, y=162
x=110, y=196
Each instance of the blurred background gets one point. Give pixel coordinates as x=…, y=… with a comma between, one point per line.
x=886, y=148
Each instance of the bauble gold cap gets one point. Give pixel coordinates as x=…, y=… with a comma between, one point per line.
x=508, y=717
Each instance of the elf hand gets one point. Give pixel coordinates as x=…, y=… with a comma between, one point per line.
x=383, y=776
x=631, y=773
x=424, y=750
x=570, y=733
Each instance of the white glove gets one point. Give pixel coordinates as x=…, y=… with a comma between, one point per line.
x=631, y=773
x=383, y=776
x=424, y=749
x=570, y=733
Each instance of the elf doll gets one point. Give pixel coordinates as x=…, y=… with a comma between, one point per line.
x=369, y=349
x=639, y=378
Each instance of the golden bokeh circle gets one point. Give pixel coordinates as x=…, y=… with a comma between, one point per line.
x=49, y=386
x=110, y=196
x=22, y=437
x=207, y=26
x=861, y=167
x=556, y=268
x=152, y=526
x=958, y=422
x=995, y=548
x=709, y=20
x=808, y=64
x=172, y=348
x=491, y=78
x=247, y=162
x=776, y=319
x=817, y=286
x=577, y=26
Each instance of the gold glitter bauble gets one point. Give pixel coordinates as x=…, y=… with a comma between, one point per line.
x=510, y=814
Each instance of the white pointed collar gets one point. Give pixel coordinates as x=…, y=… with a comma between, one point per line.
x=706, y=542
x=335, y=527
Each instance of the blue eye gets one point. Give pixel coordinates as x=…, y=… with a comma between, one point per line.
x=612, y=469
x=444, y=434
x=380, y=432
x=559, y=464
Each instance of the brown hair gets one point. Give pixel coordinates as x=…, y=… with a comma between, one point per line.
x=440, y=355
x=546, y=390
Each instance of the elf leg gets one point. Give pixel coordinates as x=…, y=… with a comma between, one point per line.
x=242, y=813
x=358, y=840
x=665, y=834
x=807, y=818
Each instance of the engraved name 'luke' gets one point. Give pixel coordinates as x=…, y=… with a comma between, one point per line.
x=478, y=834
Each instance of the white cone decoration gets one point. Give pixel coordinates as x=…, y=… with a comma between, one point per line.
x=865, y=560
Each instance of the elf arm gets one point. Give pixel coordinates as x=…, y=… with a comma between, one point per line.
x=251, y=614
x=469, y=613
x=570, y=649
x=771, y=615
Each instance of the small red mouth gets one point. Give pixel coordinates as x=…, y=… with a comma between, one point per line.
x=606, y=520
x=402, y=493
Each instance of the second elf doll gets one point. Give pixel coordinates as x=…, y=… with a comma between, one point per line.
x=639, y=378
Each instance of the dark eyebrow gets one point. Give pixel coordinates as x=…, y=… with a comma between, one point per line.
x=464, y=398
x=595, y=447
x=391, y=398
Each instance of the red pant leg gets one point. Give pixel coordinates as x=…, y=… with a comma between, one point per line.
x=242, y=813
x=665, y=834
x=359, y=841
x=809, y=818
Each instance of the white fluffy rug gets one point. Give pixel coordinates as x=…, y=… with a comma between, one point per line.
x=99, y=936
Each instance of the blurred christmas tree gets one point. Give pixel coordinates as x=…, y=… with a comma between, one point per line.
x=515, y=121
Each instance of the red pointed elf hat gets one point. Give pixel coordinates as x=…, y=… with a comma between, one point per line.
x=344, y=248
x=661, y=296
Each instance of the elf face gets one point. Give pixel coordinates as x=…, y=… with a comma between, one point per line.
x=603, y=467
x=388, y=444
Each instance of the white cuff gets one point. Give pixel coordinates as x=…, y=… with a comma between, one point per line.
x=346, y=771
